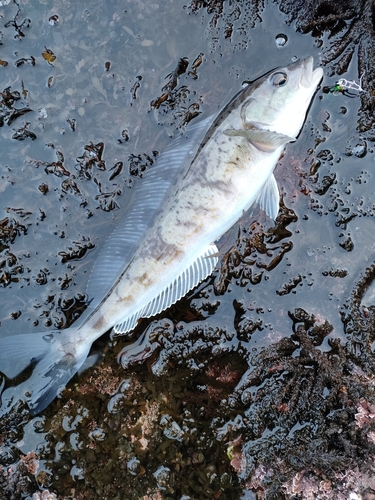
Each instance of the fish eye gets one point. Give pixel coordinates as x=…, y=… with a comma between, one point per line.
x=279, y=79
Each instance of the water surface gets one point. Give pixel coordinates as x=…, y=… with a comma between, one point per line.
x=93, y=76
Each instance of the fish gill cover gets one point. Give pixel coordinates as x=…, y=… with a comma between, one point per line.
x=261, y=380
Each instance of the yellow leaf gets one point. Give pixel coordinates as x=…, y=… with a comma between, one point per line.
x=48, y=55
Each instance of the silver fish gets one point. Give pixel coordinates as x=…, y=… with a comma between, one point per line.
x=196, y=191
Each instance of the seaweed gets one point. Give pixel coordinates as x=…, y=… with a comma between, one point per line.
x=92, y=157
x=138, y=164
x=174, y=105
x=24, y=133
x=348, y=23
x=303, y=416
x=359, y=322
x=10, y=228
x=18, y=26
x=256, y=251
x=8, y=113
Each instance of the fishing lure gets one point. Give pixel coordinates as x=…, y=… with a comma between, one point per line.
x=343, y=85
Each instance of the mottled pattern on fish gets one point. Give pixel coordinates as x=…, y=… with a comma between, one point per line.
x=211, y=196
x=165, y=245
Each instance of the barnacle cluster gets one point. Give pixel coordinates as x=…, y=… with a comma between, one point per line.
x=154, y=434
x=295, y=418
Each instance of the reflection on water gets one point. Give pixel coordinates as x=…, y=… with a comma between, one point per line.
x=254, y=363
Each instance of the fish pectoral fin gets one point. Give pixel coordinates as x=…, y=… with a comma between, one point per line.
x=264, y=140
x=269, y=198
x=180, y=286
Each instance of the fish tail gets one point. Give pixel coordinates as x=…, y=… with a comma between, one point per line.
x=53, y=359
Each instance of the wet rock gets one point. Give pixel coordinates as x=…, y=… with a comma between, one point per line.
x=290, y=384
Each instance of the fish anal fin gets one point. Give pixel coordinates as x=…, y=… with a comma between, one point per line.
x=182, y=284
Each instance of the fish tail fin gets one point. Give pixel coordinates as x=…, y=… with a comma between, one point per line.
x=53, y=358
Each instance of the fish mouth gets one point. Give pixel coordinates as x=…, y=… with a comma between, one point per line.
x=310, y=77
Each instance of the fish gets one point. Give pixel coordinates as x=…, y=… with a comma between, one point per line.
x=165, y=245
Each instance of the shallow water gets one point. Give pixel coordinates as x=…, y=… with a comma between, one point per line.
x=147, y=426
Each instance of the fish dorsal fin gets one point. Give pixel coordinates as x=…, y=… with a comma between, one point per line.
x=121, y=244
x=269, y=198
x=265, y=140
x=180, y=286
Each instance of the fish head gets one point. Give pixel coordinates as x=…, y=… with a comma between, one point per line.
x=279, y=100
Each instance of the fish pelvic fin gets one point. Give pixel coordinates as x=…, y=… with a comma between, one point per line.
x=269, y=198
x=53, y=359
